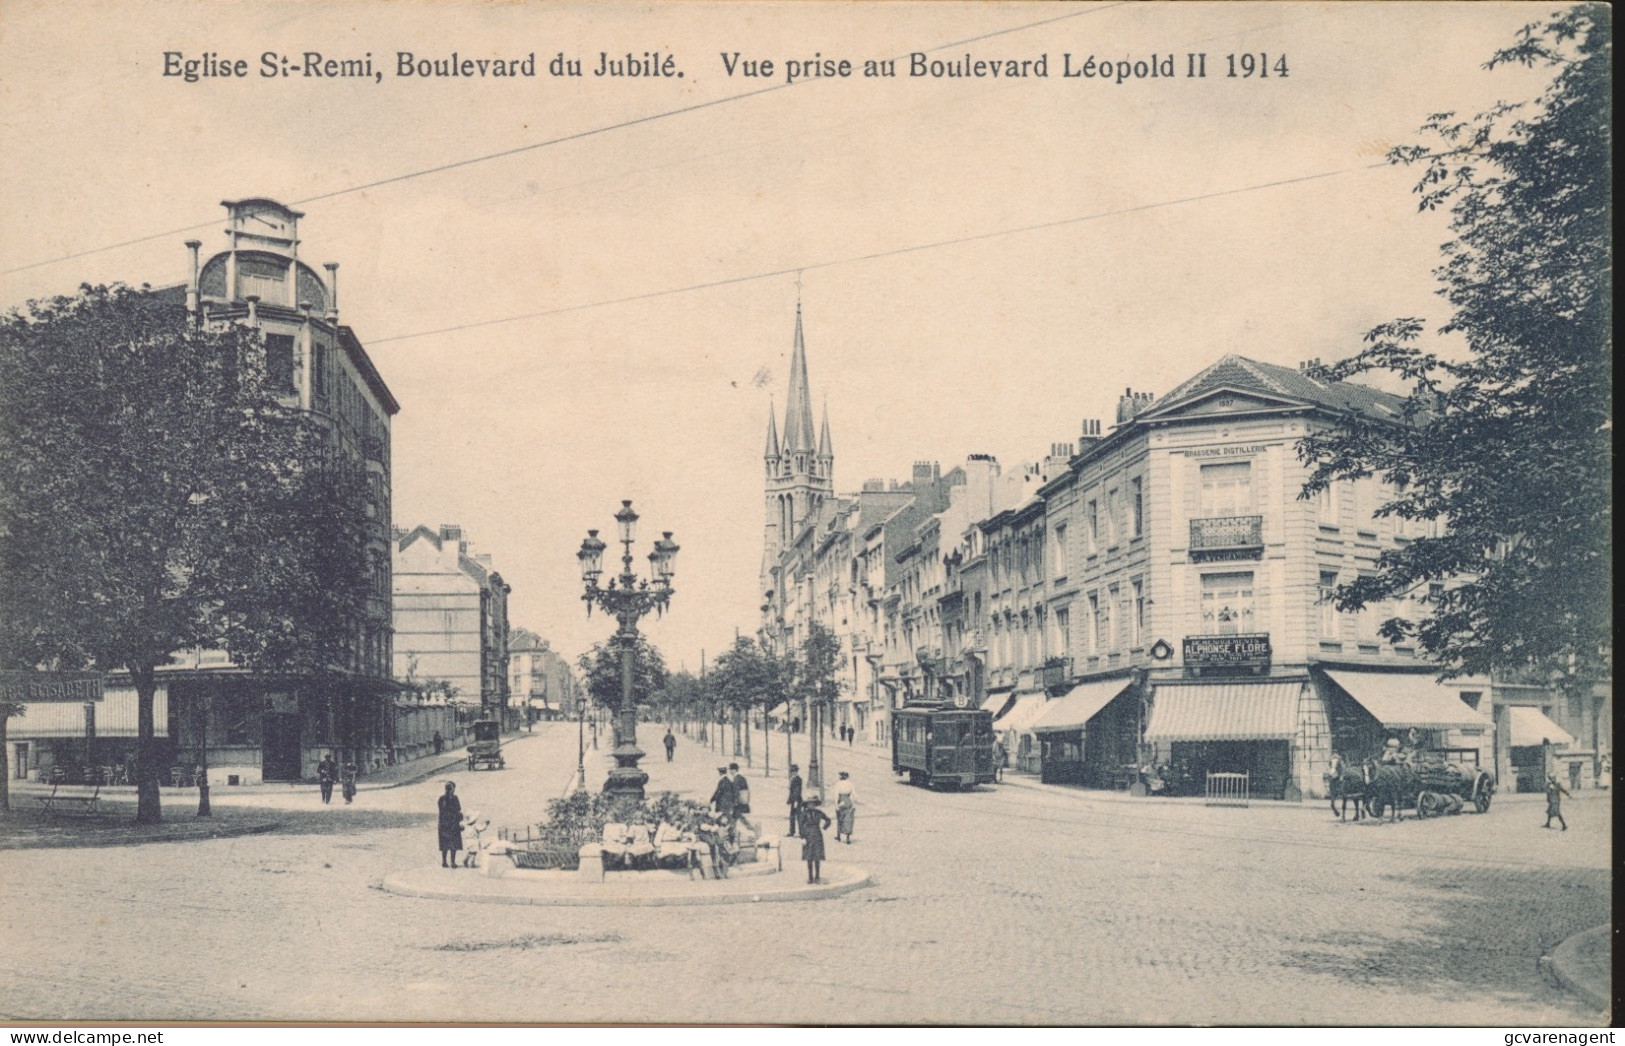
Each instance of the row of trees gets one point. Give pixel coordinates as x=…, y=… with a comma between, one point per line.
x=746, y=682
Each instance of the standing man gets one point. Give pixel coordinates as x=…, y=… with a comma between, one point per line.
x=327, y=772
x=741, y=798
x=795, y=797
x=438, y=742
x=1554, y=802
x=670, y=743
x=723, y=797
x=999, y=757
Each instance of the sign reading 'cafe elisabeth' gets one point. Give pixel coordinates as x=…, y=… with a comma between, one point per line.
x=39, y=687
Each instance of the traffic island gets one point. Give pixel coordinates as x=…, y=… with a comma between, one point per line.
x=1584, y=965
x=746, y=885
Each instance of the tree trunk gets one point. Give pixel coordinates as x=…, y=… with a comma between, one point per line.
x=147, y=805
x=745, y=714
x=5, y=764
x=203, y=808
x=767, y=749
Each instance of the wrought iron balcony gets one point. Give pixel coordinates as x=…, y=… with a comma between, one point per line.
x=1227, y=537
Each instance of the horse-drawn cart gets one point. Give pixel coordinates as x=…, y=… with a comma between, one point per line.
x=1432, y=783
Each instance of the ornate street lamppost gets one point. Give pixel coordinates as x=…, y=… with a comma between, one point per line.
x=627, y=598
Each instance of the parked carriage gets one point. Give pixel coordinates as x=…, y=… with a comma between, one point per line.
x=943, y=746
x=485, y=751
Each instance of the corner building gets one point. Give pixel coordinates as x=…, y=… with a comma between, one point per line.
x=1196, y=586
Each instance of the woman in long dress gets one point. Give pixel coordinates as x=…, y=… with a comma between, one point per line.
x=451, y=826
x=813, y=823
x=846, y=810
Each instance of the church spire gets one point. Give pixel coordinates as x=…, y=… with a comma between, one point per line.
x=772, y=451
x=825, y=451
x=798, y=426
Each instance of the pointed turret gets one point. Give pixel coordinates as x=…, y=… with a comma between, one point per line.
x=772, y=451
x=825, y=450
x=798, y=428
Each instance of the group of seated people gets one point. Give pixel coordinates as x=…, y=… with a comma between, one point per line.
x=706, y=841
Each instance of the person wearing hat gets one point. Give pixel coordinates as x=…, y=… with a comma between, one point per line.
x=813, y=823
x=846, y=810
x=741, y=797
x=795, y=797
x=725, y=797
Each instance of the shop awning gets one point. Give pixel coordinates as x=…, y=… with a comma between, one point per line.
x=1028, y=707
x=998, y=704
x=1530, y=727
x=1260, y=711
x=1081, y=704
x=1401, y=699
x=779, y=710
x=848, y=699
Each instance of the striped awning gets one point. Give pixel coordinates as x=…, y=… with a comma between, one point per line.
x=1028, y=707
x=1406, y=699
x=998, y=704
x=1081, y=704
x=1530, y=726
x=1255, y=711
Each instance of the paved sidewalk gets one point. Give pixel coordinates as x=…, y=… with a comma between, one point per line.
x=1584, y=965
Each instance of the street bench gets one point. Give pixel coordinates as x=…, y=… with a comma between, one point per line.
x=77, y=801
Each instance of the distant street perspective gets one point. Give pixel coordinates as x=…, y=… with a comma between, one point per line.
x=1145, y=912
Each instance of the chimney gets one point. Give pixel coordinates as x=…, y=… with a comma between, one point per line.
x=332, y=290
x=924, y=473
x=1090, y=433
x=1131, y=404
x=871, y=485
x=191, y=284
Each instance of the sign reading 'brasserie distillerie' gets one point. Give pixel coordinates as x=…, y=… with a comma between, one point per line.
x=25, y=687
x=1227, y=650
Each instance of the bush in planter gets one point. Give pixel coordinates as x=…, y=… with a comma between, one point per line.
x=578, y=819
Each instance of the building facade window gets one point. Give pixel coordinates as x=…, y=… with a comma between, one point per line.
x=1093, y=624
x=1113, y=523
x=1136, y=504
x=1137, y=618
x=1227, y=489
x=1092, y=517
x=1113, y=596
x=1227, y=603
x=1060, y=550
x=1063, y=631
x=279, y=362
x=1328, y=608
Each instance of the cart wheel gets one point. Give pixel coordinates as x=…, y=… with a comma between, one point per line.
x=501, y=763
x=471, y=762
x=1482, y=802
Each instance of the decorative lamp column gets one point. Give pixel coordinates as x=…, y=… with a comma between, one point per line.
x=627, y=598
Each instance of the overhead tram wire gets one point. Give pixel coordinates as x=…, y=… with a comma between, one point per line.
x=562, y=139
x=877, y=255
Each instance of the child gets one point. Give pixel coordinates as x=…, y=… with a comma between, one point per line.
x=1554, y=802
x=813, y=823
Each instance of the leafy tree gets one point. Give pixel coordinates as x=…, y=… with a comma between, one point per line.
x=1508, y=445
x=155, y=496
x=601, y=667
x=820, y=662
x=747, y=676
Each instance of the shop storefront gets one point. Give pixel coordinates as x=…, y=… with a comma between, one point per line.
x=1014, y=730
x=1539, y=747
x=1368, y=709
x=1089, y=736
x=1245, y=727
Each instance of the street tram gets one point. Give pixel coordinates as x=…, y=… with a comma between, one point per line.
x=940, y=745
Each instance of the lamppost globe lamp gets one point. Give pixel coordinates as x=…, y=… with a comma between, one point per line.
x=627, y=598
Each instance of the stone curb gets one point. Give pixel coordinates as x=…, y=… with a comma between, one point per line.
x=839, y=879
x=1577, y=977
x=177, y=835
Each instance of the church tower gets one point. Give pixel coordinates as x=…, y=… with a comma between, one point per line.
x=800, y=468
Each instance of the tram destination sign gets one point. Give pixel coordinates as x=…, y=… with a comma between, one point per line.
x=1227, y=651
x=26, y=688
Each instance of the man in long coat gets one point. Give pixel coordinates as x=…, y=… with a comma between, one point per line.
x=724, y=799
x=795, y=797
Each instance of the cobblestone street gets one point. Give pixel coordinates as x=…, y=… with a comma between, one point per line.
x=1017, y=904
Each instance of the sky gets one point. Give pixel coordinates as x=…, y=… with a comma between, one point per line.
x=583, y=289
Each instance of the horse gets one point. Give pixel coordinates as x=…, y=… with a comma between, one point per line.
x=1345, y=783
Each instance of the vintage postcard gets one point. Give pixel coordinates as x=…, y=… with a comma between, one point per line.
x=803, y=503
